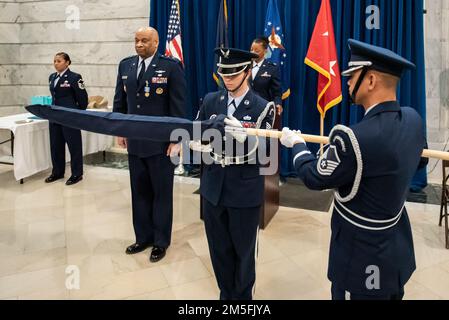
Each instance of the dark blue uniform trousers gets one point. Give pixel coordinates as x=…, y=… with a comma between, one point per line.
x=59, y=136
x=339, y=294
x=152, y=199
x=232, y=238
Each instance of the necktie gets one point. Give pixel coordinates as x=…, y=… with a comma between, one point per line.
x=232, y=108
x=56, y=80
x=255, y=71
x=141, y=73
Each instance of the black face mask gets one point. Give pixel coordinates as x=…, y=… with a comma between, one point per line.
x=353, y=96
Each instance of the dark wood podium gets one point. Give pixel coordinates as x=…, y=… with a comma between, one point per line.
x=271, y=203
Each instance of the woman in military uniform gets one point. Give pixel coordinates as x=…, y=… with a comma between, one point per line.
x=265, y=75
x=232, y=187
x=67, y=90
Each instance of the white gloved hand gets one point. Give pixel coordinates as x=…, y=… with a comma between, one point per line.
x=290, y=138
x=238, y=135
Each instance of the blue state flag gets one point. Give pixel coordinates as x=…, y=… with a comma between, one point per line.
x=277, y=52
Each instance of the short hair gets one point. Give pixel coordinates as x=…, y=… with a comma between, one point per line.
x=65, y=56
x=264, y=41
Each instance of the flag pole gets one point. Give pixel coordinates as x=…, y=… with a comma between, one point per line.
x=431, y=154
x=321, y=133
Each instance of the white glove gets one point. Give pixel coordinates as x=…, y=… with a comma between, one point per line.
x=290, y=138
x=238, y=135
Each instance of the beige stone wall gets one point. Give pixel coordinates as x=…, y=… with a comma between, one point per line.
x=32, y=31
x=437, y=79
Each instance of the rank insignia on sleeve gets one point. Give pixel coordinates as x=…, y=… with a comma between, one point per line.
x=329, y=162
x=81, y=84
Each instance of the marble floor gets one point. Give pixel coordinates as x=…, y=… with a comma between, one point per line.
x=49, y=234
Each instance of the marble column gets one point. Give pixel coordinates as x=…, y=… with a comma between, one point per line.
x=437, y=80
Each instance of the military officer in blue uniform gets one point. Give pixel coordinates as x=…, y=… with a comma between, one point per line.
x=153, y=85
x=67, y=90
x=265, y=76
x=232, y=187
x=371, y=166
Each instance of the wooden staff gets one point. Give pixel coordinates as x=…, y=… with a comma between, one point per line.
x=431, y=154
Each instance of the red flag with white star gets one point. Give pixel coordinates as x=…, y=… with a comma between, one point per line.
x=322, y=57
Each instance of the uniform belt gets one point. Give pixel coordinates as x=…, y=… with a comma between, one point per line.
x=227, y=161
x=365, y=223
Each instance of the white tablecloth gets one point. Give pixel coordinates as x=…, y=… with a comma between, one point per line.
x=32, y=144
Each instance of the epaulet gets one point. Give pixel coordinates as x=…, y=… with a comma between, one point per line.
x=127, y=58
x=171, y=59
x=271, y=63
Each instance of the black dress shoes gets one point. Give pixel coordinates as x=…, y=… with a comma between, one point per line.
x=73, y=180
x=53, y=178
x=157, y=254
x=137, y=248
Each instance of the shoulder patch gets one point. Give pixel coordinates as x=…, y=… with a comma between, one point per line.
x=81, y=84
x=329, y=162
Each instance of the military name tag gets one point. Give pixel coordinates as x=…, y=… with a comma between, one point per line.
x=124, y=77
x=266, y=75
x=160, y=80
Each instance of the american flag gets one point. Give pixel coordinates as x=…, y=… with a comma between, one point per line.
x=173, y=47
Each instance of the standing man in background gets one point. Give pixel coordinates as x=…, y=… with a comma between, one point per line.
x=153, y=85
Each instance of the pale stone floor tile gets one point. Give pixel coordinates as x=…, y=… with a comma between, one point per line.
x=267, y=251
x=179, y=273
x=45, y=235
x=199, y=245
x=45, y=228
x=435, y=279
x=416, y=291
x=33, y=261
x=43, y=281
x=132, y=284
x=204, y=289
x=207, y=262
x=163, y=294
x=315, y=263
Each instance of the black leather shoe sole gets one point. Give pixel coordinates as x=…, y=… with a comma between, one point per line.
x=137, y=248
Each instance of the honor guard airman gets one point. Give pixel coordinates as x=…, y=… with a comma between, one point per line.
x=153, y=85
x=232, y=187
x=371, y=166
x=67, y=90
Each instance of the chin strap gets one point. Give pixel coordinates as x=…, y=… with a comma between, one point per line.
x=358, y=84
x=241, y=83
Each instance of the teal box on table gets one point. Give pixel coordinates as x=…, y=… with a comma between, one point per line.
x=44, y=100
